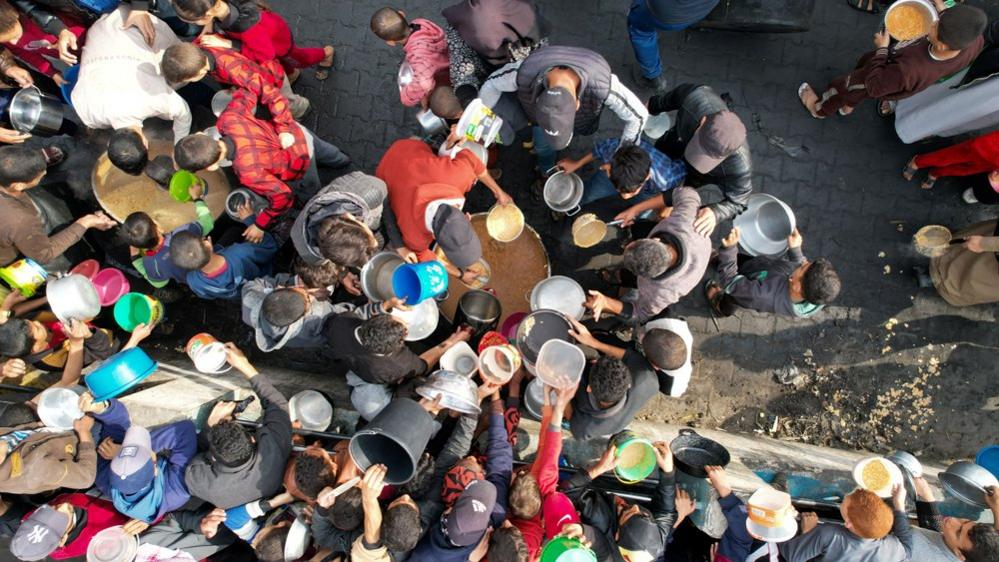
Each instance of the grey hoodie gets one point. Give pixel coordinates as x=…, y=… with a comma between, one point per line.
x=356, y=193
x=305, y=333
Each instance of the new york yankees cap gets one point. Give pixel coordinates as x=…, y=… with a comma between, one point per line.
x=39, y=534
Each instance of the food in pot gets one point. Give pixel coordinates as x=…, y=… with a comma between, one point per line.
x=875, y=476
x=908, y=21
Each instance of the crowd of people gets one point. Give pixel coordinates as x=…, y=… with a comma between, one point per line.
x=228, y=490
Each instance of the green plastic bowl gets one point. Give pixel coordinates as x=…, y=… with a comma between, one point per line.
x=181, y=183
x=564, y=549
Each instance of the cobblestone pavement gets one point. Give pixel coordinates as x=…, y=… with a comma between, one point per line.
x=922, y=382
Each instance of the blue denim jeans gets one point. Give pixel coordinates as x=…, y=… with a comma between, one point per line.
x=643, y=29
x=546, y=154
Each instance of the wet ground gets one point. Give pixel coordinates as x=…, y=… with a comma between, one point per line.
x=888, y=366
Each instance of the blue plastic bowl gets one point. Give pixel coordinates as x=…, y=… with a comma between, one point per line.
x=988, y=458
x=119, y=373
x=70, y=75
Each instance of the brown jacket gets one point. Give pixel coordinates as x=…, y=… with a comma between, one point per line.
x=46, y=461
x=22, y=232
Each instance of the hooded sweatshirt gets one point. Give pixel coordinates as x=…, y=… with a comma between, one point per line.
x=426, y=54
x=357, y=193
x=589, y=420
x=490, y=26
x=306, y=332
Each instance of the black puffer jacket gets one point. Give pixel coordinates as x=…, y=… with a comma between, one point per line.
x=734, y=175
x=46, y=12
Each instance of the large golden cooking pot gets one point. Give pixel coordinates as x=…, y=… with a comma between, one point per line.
x=121, y=194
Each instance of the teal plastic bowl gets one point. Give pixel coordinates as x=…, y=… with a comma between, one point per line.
x=119, y=373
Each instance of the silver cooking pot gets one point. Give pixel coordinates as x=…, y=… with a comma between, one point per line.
x=33, y=112
x=563, y=192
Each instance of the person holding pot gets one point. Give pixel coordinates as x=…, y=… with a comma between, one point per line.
x=788, y=285
x=238, y=467
x=426, y=193
x=371, y=342
x=636, y=172
x=611, y=394
x=22, y=230
x=743, y=539
x=967, y=274
x=617, y=530
x=283, y=313
x=711, y=140
x=563, y=91
x=953, y=539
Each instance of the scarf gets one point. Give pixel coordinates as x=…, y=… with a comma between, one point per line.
x=143, y=505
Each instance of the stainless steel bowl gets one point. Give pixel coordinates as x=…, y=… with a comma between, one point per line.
x=967, y=482
x=431, y=123
x=908, y=462
x=560, y=293
x=376, y=275
x=457, y=391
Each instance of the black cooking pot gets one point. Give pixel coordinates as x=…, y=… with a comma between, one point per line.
x=537, y=328
x=480, y=310
x=692, y=453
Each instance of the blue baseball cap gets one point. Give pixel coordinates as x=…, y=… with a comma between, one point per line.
x=132, y=468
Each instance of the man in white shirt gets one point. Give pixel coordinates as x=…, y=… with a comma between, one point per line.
x=120, y=84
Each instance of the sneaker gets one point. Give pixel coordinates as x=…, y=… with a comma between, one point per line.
x=657, y=84
x=968, y=196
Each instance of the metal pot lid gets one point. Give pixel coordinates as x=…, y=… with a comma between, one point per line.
x=559, y=293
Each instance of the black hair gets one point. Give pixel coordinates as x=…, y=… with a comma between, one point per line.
x=609, y=380
x=419, y=485
x=230, y=444
x=283, y=307
x=984, y=544
x=648, y=258
x=196, y=152
x=389, y=25
x=15, y=338
x=312, y=475
x=961, y=25
x=821, y=284
x=192, y=9
x=629, y=167
x=347, y=512
x=506, y=544
x=344, y=241
x=20, y=164
x=664, y=348
x=139, y=231
x=181, y=62
x=187, y=251
x=271, y=547
x=444, y=103
x=401, y=527
x=319, y=276
x=382, y=334
x=127, y=151
x=8, y=17
x=17, y=414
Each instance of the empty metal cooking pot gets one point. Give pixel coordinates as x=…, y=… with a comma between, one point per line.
x=431, y=123
x=563, y=192
x=692, y=453
x=765, y=225
x=560, y=293
x=479, y=310
x=376, y=275
x=33, y=112
x=967, y=482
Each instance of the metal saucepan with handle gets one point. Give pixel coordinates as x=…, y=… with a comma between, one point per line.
x=692, y=452
x=588, y=230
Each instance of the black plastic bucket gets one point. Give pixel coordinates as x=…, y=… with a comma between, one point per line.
x=396, y=438
x=761, y=16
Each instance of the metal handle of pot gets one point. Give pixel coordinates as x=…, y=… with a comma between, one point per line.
x=573, y=211
x=554, y=168
x=688, y=431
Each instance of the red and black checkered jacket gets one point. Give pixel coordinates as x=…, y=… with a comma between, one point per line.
x=263, y=79
x=259, y=161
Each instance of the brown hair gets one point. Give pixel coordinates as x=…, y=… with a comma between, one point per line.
x=389, y=25
x=181, y=62
x=525, y=496
x=8, y=17
x=869, y=516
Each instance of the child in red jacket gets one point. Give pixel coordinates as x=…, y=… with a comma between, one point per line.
x=257, y=32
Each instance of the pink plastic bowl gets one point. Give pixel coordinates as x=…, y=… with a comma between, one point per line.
x=111, y=285
x=87, y=268
x=509, y=329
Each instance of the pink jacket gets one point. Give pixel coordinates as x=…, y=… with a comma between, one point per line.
x=426, y=53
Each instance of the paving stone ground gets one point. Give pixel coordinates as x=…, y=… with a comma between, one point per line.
x=924, y=384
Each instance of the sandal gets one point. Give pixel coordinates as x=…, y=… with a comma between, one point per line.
x=803, y=89
x=910, y=169
x=713, y=293
x=856, y=5
x=928, y=182
x=323, y=72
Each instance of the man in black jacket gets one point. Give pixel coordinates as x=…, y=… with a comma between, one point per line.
x=621, y=531
x=712, y=141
